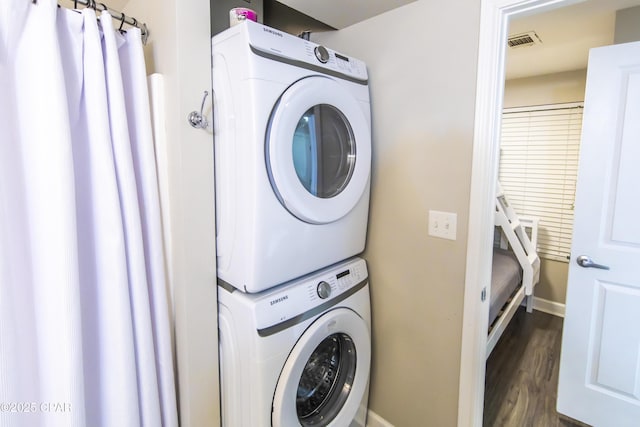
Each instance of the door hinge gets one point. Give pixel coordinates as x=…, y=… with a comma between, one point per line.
x=483, y=294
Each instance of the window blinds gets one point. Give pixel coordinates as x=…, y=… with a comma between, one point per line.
x=539, y=151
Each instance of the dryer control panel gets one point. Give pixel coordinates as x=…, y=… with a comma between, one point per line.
x=313, y=293
x=280, y=46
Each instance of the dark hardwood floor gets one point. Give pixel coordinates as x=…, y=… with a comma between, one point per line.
x=522, y=374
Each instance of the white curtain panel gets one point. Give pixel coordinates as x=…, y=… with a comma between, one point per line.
x=84, y=319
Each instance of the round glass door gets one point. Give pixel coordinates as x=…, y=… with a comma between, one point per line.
x=324, y=151
x=326, y=380
x=318, y=150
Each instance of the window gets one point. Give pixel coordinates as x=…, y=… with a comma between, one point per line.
x=539, y=152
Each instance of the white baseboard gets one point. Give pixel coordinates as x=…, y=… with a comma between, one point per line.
x=550, y=307
x=375, y=420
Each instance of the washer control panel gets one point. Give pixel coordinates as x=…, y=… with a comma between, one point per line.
x=299, y=296
x=289, y=48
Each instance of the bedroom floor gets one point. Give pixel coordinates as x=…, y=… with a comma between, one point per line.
x=522, y=374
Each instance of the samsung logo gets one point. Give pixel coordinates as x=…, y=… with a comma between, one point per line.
x=274, y=32
x=279, y=300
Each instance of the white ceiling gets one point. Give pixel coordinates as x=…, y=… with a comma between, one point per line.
x=331, y=12
x=340, y=14
x=567, y=35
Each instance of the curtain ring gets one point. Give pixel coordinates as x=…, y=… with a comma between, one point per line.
x=122, y=19
x=104, y=7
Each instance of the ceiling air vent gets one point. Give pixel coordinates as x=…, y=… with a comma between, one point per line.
x=524, y=39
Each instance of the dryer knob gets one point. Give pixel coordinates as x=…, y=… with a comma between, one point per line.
x=322, y=54
x=324, y=290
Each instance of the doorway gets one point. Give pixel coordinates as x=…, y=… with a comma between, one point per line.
x=495, y=17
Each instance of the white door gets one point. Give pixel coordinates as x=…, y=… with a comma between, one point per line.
x=600, y=363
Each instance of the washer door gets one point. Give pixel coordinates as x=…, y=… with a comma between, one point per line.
x=326, y=375
x=318, y=150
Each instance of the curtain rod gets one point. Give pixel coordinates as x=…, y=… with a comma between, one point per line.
x=118, y=16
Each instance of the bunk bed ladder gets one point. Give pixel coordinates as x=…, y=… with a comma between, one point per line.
x=513, y=229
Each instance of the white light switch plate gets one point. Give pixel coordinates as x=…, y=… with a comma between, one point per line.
x=443, y=224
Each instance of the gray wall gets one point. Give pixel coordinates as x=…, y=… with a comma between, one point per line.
x=423, y=98
x=270, y=12
x=546, y=89
x=627, y=25
x=289, y=20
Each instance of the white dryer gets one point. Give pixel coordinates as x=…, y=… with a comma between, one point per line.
x=292, y=156
x=298, y=354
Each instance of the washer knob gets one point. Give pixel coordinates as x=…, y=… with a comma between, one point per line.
x=322, y=54
x=324, y=290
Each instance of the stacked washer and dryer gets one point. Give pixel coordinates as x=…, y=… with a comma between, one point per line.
x=293, y=159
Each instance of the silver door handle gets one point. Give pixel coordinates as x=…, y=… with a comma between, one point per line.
x=586, y=262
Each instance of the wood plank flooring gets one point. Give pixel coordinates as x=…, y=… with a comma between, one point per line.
x=522, y=374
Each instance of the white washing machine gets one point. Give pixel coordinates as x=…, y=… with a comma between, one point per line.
x=292, y=156
x=298, y=354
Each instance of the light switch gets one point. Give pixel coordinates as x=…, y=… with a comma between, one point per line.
x=443, y=224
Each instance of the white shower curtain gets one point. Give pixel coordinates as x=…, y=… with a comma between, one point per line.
x=84, y=319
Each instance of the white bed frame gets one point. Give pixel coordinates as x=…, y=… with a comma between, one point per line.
x=514, y=236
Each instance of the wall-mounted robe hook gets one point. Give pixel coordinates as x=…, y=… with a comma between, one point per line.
x=197, y=119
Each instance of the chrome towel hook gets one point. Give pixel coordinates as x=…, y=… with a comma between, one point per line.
x=197, y=119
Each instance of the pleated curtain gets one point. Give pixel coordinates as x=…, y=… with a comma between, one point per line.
x=85, y=336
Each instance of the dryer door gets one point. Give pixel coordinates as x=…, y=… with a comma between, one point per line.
x=325, y=378
x=318, y=150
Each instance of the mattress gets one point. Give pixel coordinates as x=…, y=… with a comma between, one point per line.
x=506, y=277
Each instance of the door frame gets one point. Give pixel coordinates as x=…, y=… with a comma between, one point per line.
x=494, y=19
